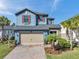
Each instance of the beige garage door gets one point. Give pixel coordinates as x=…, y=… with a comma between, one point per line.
x=27, y=39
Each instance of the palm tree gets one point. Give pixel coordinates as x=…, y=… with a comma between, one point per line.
x=4, y=21
x=71, y=24
x=67, y=24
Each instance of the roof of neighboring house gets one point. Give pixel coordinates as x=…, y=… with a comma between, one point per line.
x=36, y=13
x=39, y=27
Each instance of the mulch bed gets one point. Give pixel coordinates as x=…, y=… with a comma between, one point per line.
x=50, y=50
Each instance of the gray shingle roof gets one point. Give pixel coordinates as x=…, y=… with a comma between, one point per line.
x=50, y=18
x=36, y=13
x=40, y=27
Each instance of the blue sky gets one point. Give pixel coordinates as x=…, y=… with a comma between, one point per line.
x=58, y=9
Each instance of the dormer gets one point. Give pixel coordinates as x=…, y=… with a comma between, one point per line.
x=41, y=19
x=50, y=21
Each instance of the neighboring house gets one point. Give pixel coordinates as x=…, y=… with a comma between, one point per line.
x=6, y=32
x=73, y=33
x=32, y=27
x=63, y=32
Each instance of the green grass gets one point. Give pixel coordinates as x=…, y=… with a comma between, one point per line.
x=74, y=54
x=4, y=50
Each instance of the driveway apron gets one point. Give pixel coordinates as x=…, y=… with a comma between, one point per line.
x=27, y=52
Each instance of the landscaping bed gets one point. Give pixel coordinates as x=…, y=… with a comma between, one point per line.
x=72, y=54
x=59, y=48
x=49, y=50
x=56, y=44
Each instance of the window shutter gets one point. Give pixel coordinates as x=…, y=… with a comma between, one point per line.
x=43, y=19
x=23, y=19
x=29, y=19
x=38, y=18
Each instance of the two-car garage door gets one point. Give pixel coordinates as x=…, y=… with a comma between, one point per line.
x=31, y=38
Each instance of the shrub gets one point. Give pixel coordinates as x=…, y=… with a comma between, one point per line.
x=12, y=38
x=62, y=42
x=51, y=38
x=45, y=41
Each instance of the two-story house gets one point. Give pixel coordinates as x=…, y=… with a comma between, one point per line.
x=33, y=27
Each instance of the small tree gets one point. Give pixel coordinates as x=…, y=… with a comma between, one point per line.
x=4, y=21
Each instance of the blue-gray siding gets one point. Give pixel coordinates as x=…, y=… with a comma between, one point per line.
x=19, y=19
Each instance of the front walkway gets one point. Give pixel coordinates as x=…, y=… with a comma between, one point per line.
x=27, y=52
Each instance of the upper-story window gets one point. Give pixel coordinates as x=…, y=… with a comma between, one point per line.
x=49, y=22
x=26, y=19
x=41, y=18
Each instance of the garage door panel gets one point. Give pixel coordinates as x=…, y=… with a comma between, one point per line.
x=31, y=38
x=36, y=38
x=24, y=38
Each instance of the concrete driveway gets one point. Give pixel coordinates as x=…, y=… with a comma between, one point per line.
x=27, y=52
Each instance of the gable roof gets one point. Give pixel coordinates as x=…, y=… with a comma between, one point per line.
x=36, y=13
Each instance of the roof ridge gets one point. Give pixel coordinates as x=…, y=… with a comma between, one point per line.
x=37, y=13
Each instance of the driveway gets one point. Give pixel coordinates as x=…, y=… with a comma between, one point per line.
x=27, y=52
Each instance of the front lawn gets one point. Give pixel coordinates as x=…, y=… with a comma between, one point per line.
x=74, y=54
x=4, y=50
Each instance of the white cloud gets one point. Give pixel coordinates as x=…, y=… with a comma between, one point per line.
x=2, y=5
x=54, y=5
x=3, y=8
x=6, y=12
x=11, y=6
